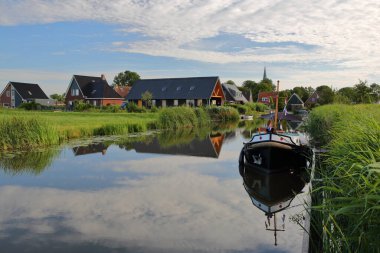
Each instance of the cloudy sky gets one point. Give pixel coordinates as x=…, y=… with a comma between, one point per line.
x=309, y=43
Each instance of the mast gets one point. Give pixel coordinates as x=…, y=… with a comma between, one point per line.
x=276, y=112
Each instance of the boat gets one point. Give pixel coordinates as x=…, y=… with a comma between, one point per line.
x=275, y=150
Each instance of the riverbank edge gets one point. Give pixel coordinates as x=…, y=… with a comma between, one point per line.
x=345, y=213
x=24, y=130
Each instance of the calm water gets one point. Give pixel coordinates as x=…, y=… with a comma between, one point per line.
x=172, y=192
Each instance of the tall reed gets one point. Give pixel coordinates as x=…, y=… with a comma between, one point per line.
x=350, y=170
x=26, y=133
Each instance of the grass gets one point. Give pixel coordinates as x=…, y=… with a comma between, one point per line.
x=349, y=211
x=24, y=129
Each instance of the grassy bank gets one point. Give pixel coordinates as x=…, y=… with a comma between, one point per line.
x=24, y=129
x=348, y=214
x=21, y=129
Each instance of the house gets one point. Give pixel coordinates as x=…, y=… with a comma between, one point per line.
x=92, y=90
x=233, y=94
x=122, y=90
x=294, y=103
x=16, y=93
x=312, y=100
x=191, y=91
x=248, y=95
x=266, y=97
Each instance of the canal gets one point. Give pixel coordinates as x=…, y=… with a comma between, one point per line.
x=156, y=192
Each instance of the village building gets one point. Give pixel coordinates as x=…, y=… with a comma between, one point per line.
x=233, y=94
x=294, y=103
x=267, y=97
x=190, y=91
x=312, y=100
x=16, y=93
x=92, y=90
x=122, y=90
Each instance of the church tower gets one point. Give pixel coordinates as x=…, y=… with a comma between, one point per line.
x=265, y=74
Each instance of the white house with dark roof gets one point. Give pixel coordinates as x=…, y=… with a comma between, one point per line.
x=16, y=93
x=191, y=91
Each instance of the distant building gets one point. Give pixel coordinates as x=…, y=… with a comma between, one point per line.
x=233, y=94
x=92, y=90
x=16, y=93
x=267, y=97
x=294, y=103
x=312, y=100
x=190, y=91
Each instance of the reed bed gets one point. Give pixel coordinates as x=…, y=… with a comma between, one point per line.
x=348, y=211
x=182, y=117
x=223, y=113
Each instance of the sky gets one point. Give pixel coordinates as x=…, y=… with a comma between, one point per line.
x=301, y=43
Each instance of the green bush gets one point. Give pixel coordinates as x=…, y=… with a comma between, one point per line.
x=223, y=113
x=132, y=107
x=80, y=106
x=178, y=117
x=30, y=106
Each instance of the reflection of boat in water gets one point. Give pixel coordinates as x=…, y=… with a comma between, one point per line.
x=273, y=193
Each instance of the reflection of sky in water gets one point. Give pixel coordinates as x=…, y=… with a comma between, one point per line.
x=126, y=201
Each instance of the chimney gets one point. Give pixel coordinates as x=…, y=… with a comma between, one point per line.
x=103, y=77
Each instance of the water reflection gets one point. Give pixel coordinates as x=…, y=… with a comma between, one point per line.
x=125, y=201
x=273, y=193
x=33, y=161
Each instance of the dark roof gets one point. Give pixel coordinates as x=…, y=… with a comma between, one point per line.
x=294, y=100
x=29, y=90
x=175, y=88
x=233, y=93
x=95, y=87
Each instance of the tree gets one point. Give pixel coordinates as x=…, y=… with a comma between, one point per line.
x=347, y=92
x=230, y=82
x=302, y=92
x=362, y=92
x=326, y=95
x=249, y=84
x=59, y=98
x=126, y=78
x=375, y=92
x=147, y=98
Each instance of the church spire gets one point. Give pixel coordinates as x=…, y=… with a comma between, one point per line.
x=265, y=74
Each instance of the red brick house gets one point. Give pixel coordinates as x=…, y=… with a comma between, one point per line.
x=92, y=90
x=266, y=97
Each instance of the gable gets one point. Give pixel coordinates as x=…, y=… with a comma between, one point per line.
x=295, y=100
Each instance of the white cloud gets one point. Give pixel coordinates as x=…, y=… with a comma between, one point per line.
x=344, y=34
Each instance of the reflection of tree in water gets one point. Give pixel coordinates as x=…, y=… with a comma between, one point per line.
x=251, y=126
x=181, y=136
x=127, y=143
x=33, y=162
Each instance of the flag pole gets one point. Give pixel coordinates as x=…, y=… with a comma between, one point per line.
x=276, y=112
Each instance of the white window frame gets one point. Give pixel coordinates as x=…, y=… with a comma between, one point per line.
x=8, y=93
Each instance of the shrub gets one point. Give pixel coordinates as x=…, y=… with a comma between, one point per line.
x=30, y=106
x=177, y=117
x=132, y=107
x=80, y=106
x=223, y=113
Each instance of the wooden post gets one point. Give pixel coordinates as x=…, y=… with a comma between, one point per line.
x=276, y=112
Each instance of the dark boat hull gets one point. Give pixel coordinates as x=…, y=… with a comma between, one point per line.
x=274, y=157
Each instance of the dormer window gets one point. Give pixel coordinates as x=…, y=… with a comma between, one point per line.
x=192, y=87
x=93, y=92
x=30, y=93
x=179, y=88
x=163, y=88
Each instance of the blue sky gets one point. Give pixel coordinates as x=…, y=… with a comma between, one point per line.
x=329, y=42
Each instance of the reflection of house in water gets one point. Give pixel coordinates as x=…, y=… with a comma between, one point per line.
x=91, y=149
x=208, y=147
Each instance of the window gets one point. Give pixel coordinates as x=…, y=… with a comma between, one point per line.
x=153, y=102
x=264, y=99
x=93, y=92
x=29, y=92
x=94, y=102
x=192, y=87
x=74, y=92
x=163, y=88
x=8, y=93
x=175, y=102
x=179, y=88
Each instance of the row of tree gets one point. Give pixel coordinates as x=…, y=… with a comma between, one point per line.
x=362, y=92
